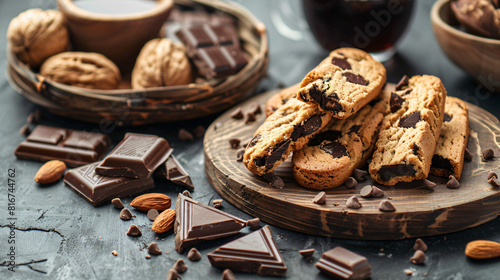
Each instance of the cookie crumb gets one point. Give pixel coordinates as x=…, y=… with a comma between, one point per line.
x=217, y=203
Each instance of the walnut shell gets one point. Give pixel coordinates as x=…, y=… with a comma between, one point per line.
x=35, y=35
x=80, y=69
x=161, y=62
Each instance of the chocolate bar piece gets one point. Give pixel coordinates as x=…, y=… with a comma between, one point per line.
x=196, y=222
x=173, y=171
x=214, y=49
x=136, y=156
x=340, y=263
x=254, y=253
x=97, y=189
x=74, y=147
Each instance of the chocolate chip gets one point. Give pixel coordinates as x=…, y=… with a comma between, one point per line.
x=307, y=253
x=488, y=153
x=410, y=120
x=34, y=117
x=420, y=245
x=429, y=184
x=260, y=161
x=199, y=131
x=117, y=203
x=447, y=118
x=25, y=130
x=187, y=193
x=254, y=223
x=418, y=257
x=366, y=191
x=492, y=174
x=467, y=155
x=152, y=214
x=185, y=135
x=335, y=149
x=180, y=266
x=441, y=163
x=493, y=181
x=331, y=102
x=360, y=175
x=277, y=183
x=173, y=275
x=354, y=129
x=227, y=274
x=239, y=154
x=330, y=135
x=255, y=108
x=254, y=140
x=395, y=102
x=386, y=206
x=234, y=142
x=342, y=63
x=415, y=149
x=237, y=114
x=355, y=78
x=125, y=214
x=320, y=198
x=217, y=203
x=452, y=183
x=350, y=183
x=153, y=249
x=194, y=255
x=387, y=172
x=403, y=82
x=250, y=118
x=134, y=230
x=353, y=203
x=277, y=154
x=376, y=192
x=308, y=127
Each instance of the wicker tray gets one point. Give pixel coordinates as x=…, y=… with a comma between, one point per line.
x=161, y=104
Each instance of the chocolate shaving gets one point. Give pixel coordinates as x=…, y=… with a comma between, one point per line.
x=355, y=78
x=342, y=63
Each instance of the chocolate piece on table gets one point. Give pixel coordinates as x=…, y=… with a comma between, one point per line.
x=214, y=49
x=488, y=153
x=234, y=142
x=467, y=155
x=377, y=192
x=360, y=175
x=320, y=198
x=254, y=223
x=136, y=156
x=253, y=253
x=227, y=274
x=194, y=255
x=340, y=263
x=418, y=257
x=75, y=148
x=172, y=275
x=187, y=193
x=217, y=203
x=277, y=183
x=350, y=183
x=366, y=191
x=386, y=206
x=117, y=203
x=493, y=181
x=25, y=130
x=239, y=154
x=125, y=214
x=237, y=114
x=492, y=174
x=98, y=189
x=353, y=203
x=153, y=249
x=199, y=131
x=152, y=214
x=250, y=118
x=180, y=266
x=134, y=231
x=173, y=171
x=307, y=253
x=420, y=245
x=196, y=222
x=452, y=183
x=185, y=135
x=429, y=184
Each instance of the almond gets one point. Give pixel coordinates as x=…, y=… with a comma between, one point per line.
x=148, y=201
x=165, y=221
x=50, y=172
x=482, y=249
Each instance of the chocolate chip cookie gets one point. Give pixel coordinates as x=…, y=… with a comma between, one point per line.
x=449, y=155
x=409, y=132
x=279, y=99
x=344, y=82
x=286, y=130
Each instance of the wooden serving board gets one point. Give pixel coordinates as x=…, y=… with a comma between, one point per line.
x=419, y=211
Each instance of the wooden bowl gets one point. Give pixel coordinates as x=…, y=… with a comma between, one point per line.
x=478, y=56
x=119, y=37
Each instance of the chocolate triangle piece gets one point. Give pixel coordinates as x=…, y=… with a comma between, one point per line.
x=173, y=171
x=196, y=222
x=254, y=253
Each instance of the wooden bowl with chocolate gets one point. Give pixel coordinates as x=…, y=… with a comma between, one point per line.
x=207, y=56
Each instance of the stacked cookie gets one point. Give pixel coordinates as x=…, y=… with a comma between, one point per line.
x=343, y=114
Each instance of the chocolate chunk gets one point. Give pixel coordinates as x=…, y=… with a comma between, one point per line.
x=199, y=131
x=277, y=154
x=125, y=214
x=194, y=255
x=493, y=181
x=350, y=183
x=335, y=149
x=420, y=245
x=277, y=183
x=403, y=82
x=254, y=223
x=395, y=102
x=173, y=171
x=234, y=142
x=34, y=117
x=354, y=129
x=237, y=114
x=331, y=102
x=330, y=135
x=340, y=263
x=418, y=257
x=429, y=184
x=452, y=183
x=260, y=161
x=217, y=203
x=447, y=118
x=227, y=274
x=152, y=214
x=320, y=198
x=187, y=193
x=117, y=203
x=25, y=130
x=387, y=172
x=441, y=163
x=134, y=231
x=360, y=175
x=467, y=155
x=492, y=174
x=180, y=266
x=488, y=154
x=268, y=176
x=255, y=108
x=415, y=149
x=386, y=206
x=353, y=203
x=355, y=78
x=250, y=118
x=185, y=135
x=153, y=249
x=376, y=192
x=239, y=154
x=366, y=191
x=254, y=140
x=308, y=127
x=410, y=120
x=342, y=63
x=307, y=253
x=173, y=275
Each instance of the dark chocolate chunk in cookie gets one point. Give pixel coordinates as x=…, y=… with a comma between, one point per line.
x=277, y=153
x=308, y=127
x=342, y=63
x=330, y=135
x=447, y=117
x=441, y=163
x=254, y=140
x=335, y=149
x=331, y=102
x=410, y=120
x=415, y=149
x=403, y=82
x=355, y=78
x=354, y=129
x=387, y=172
x=395, y=102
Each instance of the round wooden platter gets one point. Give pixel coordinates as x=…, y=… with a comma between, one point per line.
x=419, y=211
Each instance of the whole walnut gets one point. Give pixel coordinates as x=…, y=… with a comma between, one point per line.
x=161, y=62
x=80, y=69
x=35, y=35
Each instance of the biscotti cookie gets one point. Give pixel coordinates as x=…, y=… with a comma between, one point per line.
x=344, y=82
x=279, y=99
x=409, y=132
x=286, y=130
x=449, y=155
x=331, y=156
